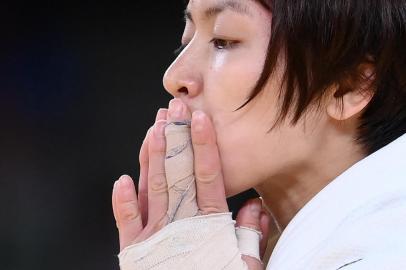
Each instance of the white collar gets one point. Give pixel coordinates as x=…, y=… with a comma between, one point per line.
x=382, y=172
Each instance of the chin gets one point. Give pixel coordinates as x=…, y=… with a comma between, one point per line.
x=232, y=187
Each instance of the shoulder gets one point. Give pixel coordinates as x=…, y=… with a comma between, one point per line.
x=373, y=235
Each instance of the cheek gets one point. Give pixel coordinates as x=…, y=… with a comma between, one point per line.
x=229, y=81
x=240, y=152
x=249, y=153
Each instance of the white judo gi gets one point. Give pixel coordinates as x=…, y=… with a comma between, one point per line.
x=357, y=222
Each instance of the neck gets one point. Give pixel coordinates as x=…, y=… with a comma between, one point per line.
x=285, y=194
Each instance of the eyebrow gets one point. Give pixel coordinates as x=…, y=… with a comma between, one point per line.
x=215, y=10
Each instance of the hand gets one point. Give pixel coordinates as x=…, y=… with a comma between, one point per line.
x=138, y=218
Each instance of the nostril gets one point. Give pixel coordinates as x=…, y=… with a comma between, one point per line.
x=183, y=90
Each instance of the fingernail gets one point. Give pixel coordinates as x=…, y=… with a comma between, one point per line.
x=159, y=129
x=198, y=118
x=176, y=108
x=125, y=181
x=255, y=208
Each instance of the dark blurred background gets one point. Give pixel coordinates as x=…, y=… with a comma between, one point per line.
x=79, y=86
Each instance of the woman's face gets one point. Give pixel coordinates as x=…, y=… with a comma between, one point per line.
x=224, y=57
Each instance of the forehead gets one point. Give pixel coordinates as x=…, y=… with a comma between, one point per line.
x=210, y=8
x=242, y=5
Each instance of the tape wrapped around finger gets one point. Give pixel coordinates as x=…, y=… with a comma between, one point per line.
x=248, y=241
x=179, y=169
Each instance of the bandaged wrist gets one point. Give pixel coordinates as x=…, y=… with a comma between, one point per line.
x=200, y=243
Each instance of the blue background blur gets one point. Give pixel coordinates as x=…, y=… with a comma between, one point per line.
x=79, y=86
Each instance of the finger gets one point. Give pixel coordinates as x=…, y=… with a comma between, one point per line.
x=161, y=114
x=179, y=163
x=248, y=232
x=126, y=212
x=250, y=214
x=143, y=179
x=157, y=186
x=211, y=196
x=252, y=263
x=113, y=201
x=265, y=221
x=177, y=111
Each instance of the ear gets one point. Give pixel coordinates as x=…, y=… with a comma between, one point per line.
x=351, y=103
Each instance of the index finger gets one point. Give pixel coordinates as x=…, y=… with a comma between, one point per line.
x=211, y=196
x=144, y=164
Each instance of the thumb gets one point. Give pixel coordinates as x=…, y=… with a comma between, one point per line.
x=250, y=229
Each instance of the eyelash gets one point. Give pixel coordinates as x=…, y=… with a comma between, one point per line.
x=229, y=45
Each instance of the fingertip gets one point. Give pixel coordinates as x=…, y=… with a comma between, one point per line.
x=177, y=110
x=252, y=263
x=202, y=129
x=161, y=114
x=250, y=214
x=125, y=189
x=125, y=180
x=198, y=121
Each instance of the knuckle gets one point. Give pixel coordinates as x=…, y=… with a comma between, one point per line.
x=128, y=212
x=251, y=224
x=207, y=178
x=158, y=148
x=199, y=142
x=207, y=210
x=157, y=182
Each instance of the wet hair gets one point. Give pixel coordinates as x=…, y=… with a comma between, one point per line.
x=326, y=43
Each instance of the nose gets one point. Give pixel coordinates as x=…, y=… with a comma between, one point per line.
x=182, y=78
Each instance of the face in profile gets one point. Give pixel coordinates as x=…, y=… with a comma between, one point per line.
x=225, y=50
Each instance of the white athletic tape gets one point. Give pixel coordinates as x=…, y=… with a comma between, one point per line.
x=248, y=241
x=180, y=172
x=199, y=243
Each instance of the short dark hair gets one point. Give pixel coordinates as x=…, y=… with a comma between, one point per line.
x=324, y=44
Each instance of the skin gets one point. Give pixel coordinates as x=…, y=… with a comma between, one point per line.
x=288, y=165
x=235, y=151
